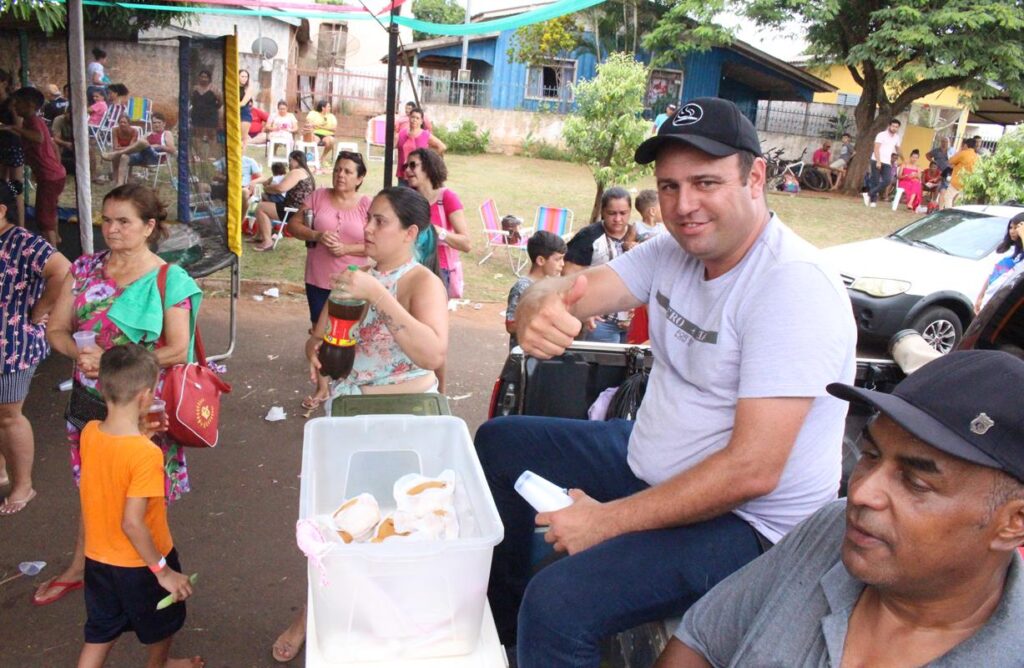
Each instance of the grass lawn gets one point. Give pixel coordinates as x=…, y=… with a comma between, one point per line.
x=519, y=185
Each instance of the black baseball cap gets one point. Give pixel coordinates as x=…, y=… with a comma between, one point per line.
x=710, y=124
x=966, y=404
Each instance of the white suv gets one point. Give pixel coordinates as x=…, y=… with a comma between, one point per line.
x=924, y=276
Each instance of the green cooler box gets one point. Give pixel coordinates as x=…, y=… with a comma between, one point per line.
x=390, y=404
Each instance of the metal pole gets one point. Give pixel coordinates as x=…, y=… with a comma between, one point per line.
x=389, y=125
x=465, y=58
x=80, y=123
x=23, y=56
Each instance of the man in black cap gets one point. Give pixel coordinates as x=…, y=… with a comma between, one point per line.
x=736, y=441
x=919, y=566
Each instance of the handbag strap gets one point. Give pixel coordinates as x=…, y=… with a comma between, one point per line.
x=161, y=284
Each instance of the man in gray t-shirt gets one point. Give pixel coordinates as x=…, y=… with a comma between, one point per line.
x=919, y=566
x=736, y=440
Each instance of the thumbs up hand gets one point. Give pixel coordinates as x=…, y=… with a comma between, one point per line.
x=545, y=324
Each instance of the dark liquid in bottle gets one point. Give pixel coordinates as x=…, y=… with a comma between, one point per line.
x=338, y=351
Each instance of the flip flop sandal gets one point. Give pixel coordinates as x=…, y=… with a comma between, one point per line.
x=286, y=652
x=311, y=403
x=11, y=507
x=63, y=589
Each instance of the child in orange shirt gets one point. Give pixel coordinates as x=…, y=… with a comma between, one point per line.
x=130, y=560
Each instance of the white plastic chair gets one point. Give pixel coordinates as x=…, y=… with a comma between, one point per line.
x=350, y=146
x=897, y=197
x=312, y=151
x=275, y=140
x=163, y=163
x=277, y=226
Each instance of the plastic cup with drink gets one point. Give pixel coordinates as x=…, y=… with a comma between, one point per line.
x=157, y=414
x=84, y=340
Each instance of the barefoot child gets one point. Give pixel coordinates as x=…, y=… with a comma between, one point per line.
x=130, y=560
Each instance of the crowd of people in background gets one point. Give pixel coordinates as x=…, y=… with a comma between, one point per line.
x=401, y=251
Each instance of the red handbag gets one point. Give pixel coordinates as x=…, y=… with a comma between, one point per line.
x=192, y=393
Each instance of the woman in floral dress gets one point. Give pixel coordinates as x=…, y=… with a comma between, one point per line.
x=114, y=295
x=31, y=273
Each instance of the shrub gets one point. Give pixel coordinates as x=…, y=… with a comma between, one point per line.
x=538, y=148
x=465, y=139
x=999, y=177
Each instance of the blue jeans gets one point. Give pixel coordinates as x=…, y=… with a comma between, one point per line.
x=879, y=180
x=564, y=611
x=606, y=332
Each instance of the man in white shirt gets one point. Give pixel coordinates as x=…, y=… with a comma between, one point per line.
x=736, y=441
x=887, y=142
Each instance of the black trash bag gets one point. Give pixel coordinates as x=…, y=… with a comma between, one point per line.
x=627, y=399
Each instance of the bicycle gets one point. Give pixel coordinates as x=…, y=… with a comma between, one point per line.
x=808, y=176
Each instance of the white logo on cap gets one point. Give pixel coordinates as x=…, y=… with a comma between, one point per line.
x=688, y=115
x=981, y=424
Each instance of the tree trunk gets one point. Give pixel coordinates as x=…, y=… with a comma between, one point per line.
x=870, y=120
x=636, y=23
x=595, y=213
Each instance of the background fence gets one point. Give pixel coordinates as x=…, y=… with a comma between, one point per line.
x=306, y=86
x=809, y=119
x=445, y=90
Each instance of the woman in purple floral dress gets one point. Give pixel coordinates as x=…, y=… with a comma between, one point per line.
x=114, y=295
x=31, y=272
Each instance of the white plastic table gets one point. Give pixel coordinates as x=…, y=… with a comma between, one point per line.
x=488, y=654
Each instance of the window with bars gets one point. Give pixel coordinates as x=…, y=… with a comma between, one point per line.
x=551, y=81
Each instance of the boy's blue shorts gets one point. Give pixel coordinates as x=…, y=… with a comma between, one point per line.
x=120, y=599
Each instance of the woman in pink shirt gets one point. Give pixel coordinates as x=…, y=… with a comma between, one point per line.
x=413, y=138
x=334, y=241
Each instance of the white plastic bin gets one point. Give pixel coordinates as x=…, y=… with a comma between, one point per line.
x=397, y=600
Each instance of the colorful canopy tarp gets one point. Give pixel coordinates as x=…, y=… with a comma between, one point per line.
x=343, y=13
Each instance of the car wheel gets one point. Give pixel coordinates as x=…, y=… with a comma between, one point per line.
x=940, y=327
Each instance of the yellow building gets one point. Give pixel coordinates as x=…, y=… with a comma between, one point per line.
x=944, y=105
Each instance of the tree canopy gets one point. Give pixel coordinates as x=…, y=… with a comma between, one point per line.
x=538, y=44
x=606, y=127
x=436, y=11
x=52, y=16
x=619, y=25
x=896, y=50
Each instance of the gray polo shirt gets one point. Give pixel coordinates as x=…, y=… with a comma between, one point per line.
x=791, y=607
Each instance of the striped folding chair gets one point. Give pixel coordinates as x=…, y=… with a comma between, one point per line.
x=555, y=220
x=103, y=134
x=498, y=238
x=139, y=111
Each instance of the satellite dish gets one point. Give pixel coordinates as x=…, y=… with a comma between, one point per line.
x=264, y=47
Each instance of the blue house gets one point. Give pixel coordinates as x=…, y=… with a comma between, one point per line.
x=738, y=72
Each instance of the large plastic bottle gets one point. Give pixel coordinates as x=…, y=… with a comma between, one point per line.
x=338, y=351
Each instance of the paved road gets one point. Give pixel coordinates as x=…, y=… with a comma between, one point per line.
x=236, y=528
